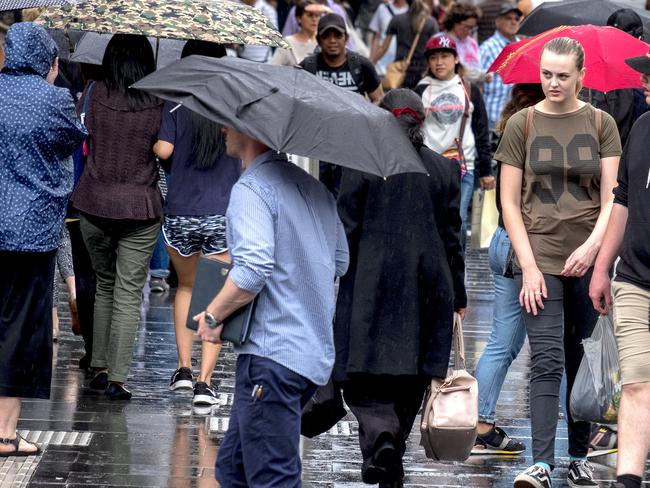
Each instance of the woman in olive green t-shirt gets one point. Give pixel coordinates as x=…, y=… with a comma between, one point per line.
x=559, y=166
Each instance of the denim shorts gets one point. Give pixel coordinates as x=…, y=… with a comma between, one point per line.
x=189, y=235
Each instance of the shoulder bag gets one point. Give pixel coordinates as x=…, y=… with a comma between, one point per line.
x=450, y=418
x=396, y=71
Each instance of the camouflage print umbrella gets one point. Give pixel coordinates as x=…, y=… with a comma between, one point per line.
x=221, y=21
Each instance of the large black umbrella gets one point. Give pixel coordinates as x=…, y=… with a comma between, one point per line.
x=289, y=110
x=575, y=12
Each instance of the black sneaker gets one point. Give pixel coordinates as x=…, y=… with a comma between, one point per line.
x=581, y=475
x=534, y=477
x=204, y=394
x=182, y=379
x=496, y=441
x=603, y=441
x=117, y=392
x=100, y=381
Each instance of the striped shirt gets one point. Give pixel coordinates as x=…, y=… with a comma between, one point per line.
x=496, y=93
x=287, y=245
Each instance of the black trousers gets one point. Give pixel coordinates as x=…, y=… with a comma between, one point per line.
x=85, y=286
x=26, y=323
x=385, y=407
x=555, y=336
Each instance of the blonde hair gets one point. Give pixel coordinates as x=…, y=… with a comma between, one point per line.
x=566, y=46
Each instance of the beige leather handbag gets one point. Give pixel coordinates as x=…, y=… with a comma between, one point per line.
x=396, y=71
x=450, y=416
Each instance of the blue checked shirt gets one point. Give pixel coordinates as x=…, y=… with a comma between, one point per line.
x=287, y=245
x=495, y=93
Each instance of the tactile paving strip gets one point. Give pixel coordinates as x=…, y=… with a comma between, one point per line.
x=16, y=472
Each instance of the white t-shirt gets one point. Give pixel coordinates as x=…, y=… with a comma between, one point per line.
x=378, y=25
x=444, y=104
x=299, y=51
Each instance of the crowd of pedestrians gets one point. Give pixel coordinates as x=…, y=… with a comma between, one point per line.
x=81, y=193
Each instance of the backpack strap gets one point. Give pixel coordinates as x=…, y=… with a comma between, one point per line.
x=390, y=9
x=530, y=112
x=310, y=63
x=599, y=123
x=356, y=70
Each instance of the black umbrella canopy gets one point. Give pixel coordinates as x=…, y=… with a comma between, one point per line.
x=575, y=12
x=289, y=110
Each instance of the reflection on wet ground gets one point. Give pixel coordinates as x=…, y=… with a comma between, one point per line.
x=158, y=440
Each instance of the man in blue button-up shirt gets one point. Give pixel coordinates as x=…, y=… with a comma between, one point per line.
x=495, y=92
x=287, y=246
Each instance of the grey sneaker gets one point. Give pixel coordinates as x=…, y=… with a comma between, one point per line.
x=534, y=477
x=158, y=285
x=496, y=441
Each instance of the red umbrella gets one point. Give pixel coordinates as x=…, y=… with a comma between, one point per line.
x=606, y=49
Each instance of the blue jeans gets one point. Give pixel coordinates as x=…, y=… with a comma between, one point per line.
x=261, y=447
x=159, y=264
x=508, y=331
x=466, y=192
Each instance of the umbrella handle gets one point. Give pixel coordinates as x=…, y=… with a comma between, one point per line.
x=244, y=106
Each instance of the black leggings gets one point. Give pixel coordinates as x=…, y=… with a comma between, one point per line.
x=555, y=337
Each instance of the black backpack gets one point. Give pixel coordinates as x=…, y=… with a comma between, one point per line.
x=354, y=63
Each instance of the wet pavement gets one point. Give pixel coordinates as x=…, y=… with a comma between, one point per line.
x=158, y=440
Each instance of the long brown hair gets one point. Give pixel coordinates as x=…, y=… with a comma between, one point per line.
x=523, y=95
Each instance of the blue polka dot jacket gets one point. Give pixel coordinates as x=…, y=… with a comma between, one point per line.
x=39, y=130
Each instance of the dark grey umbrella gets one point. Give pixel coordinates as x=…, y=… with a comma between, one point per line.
x=91, y=47
x=575, y=12
x=289, y=110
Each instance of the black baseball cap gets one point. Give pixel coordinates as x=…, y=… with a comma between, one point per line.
x=331, y=21
x=640, y=64
x=507, y=7
x=628, y=21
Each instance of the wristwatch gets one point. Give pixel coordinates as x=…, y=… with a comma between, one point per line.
x=211, y=321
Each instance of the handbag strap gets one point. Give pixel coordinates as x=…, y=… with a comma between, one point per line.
x=459, y=343
x=463, y=122
x=416, y=40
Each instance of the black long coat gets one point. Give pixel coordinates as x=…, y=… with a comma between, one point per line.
x=395, y=306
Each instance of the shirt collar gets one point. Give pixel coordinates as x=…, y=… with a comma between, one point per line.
x=270, y=155
x=503, y=39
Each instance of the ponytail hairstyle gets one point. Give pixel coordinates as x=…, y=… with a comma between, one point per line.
x=418, y=10
x=408, y=109
x=207, y=138
x=567, y=46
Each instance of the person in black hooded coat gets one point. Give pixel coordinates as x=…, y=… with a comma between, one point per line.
x=394, y=316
